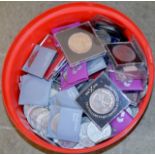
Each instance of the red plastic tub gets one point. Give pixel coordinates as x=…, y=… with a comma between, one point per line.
x=33, y=33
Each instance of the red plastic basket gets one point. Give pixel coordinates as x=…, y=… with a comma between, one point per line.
x=33, y=33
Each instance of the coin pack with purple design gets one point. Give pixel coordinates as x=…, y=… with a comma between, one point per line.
x=83, y=83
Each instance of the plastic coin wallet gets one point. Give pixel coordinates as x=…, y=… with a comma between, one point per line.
x=80, y=44
x=34, y=91
x=124, y=54
x=134, y=96
x=104, y=36
x=102, y=100
x=137, y=71
x=39, y=61
x=58, y=29
x=116, y=32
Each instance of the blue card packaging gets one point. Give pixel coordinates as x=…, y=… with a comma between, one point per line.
x=64, y=123
x=34, y=91
x=69, y=124
x=95, y=65
x=39, y=61
x=53, y=121
x=66, y=98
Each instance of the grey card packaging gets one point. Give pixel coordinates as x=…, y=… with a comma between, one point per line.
x=34, y=91
x=66, y=98
x=95, y=65
x=69, y=124
x=102, y=100
x=39, y=61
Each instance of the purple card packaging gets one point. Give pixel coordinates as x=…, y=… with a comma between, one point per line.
x=126, y=83
x=71, y=76
x=120, y=122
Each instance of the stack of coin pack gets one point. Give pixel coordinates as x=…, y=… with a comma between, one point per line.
x=83, y=83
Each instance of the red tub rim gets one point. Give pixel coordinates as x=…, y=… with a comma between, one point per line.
x=90, y=7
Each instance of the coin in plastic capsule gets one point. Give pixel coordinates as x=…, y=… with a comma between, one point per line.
x=97, y=135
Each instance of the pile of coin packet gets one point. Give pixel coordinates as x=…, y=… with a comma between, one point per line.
x=83, y=83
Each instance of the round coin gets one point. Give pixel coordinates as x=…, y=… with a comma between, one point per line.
x=40, y=119
x=34, y=114
x=29, y=112
x=44, y=124
x=80, y=42
x=54, y=122
x=124, y=53
x=102, y=101
x=84, y=139
x=97, y=135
